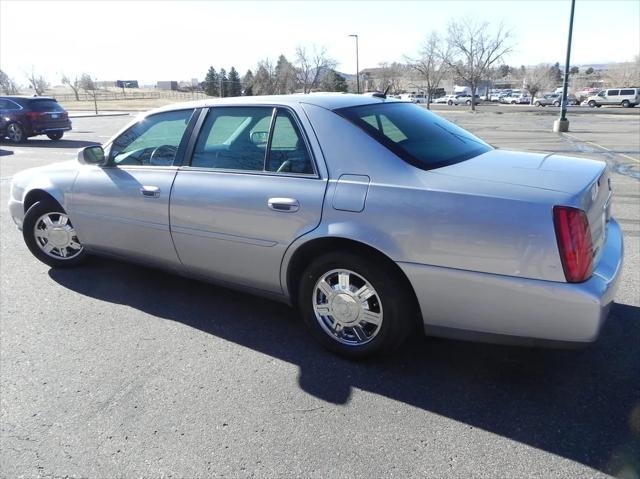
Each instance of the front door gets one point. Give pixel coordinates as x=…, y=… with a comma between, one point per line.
x=123, y=208
x=250, y=190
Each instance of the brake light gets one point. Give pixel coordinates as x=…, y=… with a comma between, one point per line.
x=574, y=242
x=33, y=115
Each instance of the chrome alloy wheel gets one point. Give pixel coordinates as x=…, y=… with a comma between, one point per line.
x=347, y=307
x=56, y=237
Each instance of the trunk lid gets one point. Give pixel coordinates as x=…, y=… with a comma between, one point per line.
x=585, y=181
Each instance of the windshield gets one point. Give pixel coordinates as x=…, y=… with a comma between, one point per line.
x=416, y=135
x=45, y=106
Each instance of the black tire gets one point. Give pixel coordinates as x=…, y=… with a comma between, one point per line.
x=397, y=303
x=468, y=102
x=592, y=104
x=556, y=103
x=449, y=103
x=537, y=103
x=15, y=133
x=32, y=216
x=55, y=135
x=626, y=104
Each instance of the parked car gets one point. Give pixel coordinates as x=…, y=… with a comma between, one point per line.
x=516, y=99
x=626, y=97
x=373, y=216
x=22, y=117
x=414, y=97
x=457, y=99
x=555, y=99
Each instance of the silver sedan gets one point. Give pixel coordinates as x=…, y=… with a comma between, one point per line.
x=374, y=217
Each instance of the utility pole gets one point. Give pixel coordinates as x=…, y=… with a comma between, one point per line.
x=357, y=63
x=562, y=124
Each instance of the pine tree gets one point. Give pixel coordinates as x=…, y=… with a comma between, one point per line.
x=247, y=81
x=235, y=87
x=224, y=83
x=333, y=81
x=285, y=76
x=212, y=83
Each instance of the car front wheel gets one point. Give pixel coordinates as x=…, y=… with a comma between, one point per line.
x=592, y=104
x=356, y=307
x=15, y=133
x=556, y=103
x=55, y=135
x=50, y=235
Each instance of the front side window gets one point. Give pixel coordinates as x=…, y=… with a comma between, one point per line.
x=416, y=135
x=153, y=141
x=613, y=92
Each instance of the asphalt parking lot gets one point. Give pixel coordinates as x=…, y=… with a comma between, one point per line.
x=113, y=370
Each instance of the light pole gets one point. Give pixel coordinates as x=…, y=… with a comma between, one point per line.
x=562, y=124
x=357, y=63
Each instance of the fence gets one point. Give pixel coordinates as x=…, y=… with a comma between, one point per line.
x=106, y=95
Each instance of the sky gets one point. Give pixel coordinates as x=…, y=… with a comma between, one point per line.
x=178, y=40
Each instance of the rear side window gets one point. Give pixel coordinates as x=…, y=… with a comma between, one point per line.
x=45, y=105
x=416, y=135
x=627, y=92
x=9, y=105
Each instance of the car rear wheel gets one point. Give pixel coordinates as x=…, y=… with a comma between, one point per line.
x=468, y=102
x=449, y=103
x=51, y=237
x=537, y=103
x=626, y=103
x=355, y=307
x=556, y=103
x=15, y=133
x=55, y=135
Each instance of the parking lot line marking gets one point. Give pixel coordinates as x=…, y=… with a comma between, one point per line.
x=602, y=147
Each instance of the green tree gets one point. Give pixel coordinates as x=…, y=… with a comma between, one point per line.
x=589, y=71
x=212, y=83
x=333, y=81
x=285, y=73
x=504, y=70
x=556, y=73
x=574, y=70
x=247, y=81
x=235, y=87
x=224, y=83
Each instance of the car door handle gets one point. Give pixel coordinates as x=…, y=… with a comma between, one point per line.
x=285, y=205
x=150, y=191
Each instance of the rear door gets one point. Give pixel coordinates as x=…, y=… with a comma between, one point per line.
x=251, y=188
x=123, y=208
x=48, y=114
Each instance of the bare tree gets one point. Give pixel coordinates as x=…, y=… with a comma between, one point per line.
x=431, y=65
x=73, y=84
x=7, y=84
x=311, y=65
x=265, y=79
x=472, y=48
x=37, y=82
x=390, y=76
x=624, y=74
x=538, y=79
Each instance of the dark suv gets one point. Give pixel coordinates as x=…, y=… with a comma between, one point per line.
x=25, y=116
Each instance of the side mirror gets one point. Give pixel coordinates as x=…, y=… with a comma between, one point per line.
x=92, y=155
x=259, y=138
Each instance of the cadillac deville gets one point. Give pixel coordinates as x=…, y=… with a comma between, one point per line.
x=375, y=217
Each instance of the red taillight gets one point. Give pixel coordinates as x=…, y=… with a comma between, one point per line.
x=34, y=115
x=574, y=242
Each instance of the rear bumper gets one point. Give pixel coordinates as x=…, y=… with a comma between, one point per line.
x=471, y=302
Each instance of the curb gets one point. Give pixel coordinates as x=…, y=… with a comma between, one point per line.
x=99, y=114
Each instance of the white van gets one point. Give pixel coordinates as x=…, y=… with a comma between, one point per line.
x=627, y=97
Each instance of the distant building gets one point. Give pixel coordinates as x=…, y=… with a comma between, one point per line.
x=127, y=84
x=167, y=85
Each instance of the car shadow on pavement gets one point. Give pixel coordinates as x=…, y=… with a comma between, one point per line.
x=44, y=142
x=582, y=404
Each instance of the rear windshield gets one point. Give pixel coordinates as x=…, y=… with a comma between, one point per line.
x=416, y=135
x=45, y=105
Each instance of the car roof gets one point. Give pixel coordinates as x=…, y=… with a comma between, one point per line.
x=330, y=101
x=26, y=97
